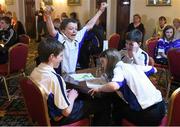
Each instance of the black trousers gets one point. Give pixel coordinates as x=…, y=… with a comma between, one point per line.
x=3, y=55
x=151, y=116
x=84, y=108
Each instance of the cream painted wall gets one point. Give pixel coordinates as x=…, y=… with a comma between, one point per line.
x=83, y=10
x=150, y=14
x=14, y=8
x=111, y=18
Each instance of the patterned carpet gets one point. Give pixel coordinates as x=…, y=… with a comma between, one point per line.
x=14, y=112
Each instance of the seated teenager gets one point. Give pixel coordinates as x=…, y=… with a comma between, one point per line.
x=133, y=54
x=8, y=38
x=139, y=101
x=64, y=107
x=165, y=44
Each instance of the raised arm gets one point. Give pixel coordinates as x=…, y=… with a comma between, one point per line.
x=52, y=31
x=91, y=22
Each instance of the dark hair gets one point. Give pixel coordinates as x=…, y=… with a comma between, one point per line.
x=165, y=29
x=6, y=19
x=73, y=15
x=47, y=47
x=162, y=18
x=63, y=14
x=137, y=16
x=65, y=22
x=112, y=56
x=135, y=35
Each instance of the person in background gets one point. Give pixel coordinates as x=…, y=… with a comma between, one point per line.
x=73, y=15
x=71, y=37
x=13, y=18
x=92, y=45
x=136, y=24
x=2, y=12
x=19, y=28
x=41, y=24
x=64, y=16
x=176, y=23
x=160, y=27
x=164, y=44
x=8, y=36
x=64, y=106
x=139, y=101
x=133, y=54
x=57, y=24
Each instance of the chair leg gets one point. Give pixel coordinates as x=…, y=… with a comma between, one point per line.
x=168, y=83
x=160, y=76
x=7, y=91
x=24, y=74
x=91, y=117
x=168, y=90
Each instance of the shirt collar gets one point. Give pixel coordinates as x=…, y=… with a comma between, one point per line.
x=66, y=38
x=46, y=67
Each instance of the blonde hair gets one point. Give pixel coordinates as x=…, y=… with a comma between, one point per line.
x=176, y=20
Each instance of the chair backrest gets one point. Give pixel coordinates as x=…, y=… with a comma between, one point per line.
x=35, y=101
x=23, y=38
x=174, y=63
x=114, y=41
x=18, y=54
x=174, y=110
x=151, y=46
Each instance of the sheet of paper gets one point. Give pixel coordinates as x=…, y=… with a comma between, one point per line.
x=82, y=76
x=95, y=83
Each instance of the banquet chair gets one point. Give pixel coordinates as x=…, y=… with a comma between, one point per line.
x=23, y=38
x=35, y=100
x=174, y=68
x=114, y=40
x=17, y=58
x=174, y=110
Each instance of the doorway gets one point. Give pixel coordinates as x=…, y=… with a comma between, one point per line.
x=123, y=17
x=30, y=23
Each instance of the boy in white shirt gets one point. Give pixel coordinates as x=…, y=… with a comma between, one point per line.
x=63, y=105
x=133, y=54
x=71, y=37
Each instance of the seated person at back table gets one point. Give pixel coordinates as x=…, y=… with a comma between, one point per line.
x=133, y=54
x=70, y=37
x=8, y=37
x=158, y=31
x=139, y=101
x=92, y=45
x=164, y=44
x=176, y=24
x=64, y=107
